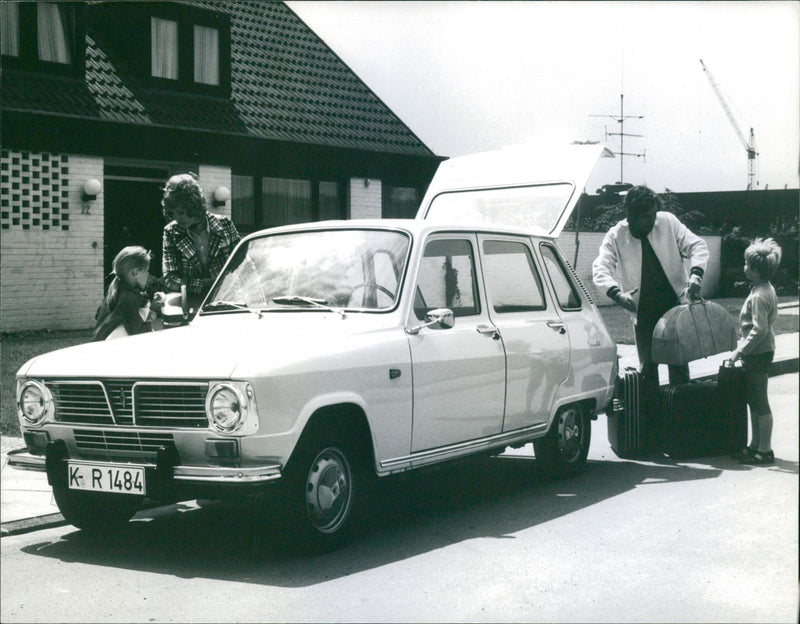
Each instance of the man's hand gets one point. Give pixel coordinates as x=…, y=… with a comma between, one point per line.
x=625, y=299
x=693, y=287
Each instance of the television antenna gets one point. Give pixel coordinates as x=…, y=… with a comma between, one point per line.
x=620, y=119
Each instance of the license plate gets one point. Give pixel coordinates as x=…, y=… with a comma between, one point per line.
x=106, y=478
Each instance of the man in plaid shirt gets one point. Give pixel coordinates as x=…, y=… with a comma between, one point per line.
x=196, y=243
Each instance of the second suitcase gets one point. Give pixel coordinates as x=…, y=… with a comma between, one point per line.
x=631, y=431
x=690, y=420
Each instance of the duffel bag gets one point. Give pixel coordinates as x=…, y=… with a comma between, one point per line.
x=692, y=331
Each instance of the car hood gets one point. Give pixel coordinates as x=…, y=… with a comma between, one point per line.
x=533, y=187
x=214, y=347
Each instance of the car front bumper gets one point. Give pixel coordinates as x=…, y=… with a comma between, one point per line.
x=168, y=478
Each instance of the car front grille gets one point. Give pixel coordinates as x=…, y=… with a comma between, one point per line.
x=111, y=445
x=128, y=402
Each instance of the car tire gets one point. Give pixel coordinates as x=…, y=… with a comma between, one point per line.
x=326, y=483
x=94, y=512
x=563, y=450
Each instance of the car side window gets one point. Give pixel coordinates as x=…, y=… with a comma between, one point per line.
x=447, y=278
x=512, y=280
x=566, y=294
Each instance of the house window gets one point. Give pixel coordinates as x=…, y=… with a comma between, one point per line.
x=399, y=202
x=243, y=203
x=52, y=33
x=189, y=48
x=164, y=48
x=206, y=55
x=260, y=202
x=9, y=28
x=42, y=36
x=285, y=201
x=329, y=205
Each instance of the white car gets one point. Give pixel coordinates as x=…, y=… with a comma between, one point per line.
x=328, y=355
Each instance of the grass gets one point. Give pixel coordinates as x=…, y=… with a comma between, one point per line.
x=16, y=349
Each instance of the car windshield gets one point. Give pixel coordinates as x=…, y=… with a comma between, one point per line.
x=314, y=270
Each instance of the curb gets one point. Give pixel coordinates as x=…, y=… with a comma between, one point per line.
x=50, y=521
x=27, y=525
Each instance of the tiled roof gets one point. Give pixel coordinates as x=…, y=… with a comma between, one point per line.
x=286, y=85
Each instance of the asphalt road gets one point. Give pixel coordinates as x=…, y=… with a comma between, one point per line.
x=489, y=540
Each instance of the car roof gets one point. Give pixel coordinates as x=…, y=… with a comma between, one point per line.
x=415, y=227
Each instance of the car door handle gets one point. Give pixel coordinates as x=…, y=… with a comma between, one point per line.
x=557, y=326
x=489, y=330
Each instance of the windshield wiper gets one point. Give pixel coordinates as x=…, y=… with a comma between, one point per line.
x=221, y=304
x=298, y=300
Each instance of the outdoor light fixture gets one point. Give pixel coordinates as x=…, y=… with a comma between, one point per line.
x=221, y=195
x=91, y=188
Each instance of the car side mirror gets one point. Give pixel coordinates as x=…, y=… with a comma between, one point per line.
x=441, y=318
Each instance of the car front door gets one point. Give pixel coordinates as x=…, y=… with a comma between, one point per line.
x=534, y=336
x=459, y=372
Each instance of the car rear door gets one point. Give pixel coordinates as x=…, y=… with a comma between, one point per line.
x=533, y=334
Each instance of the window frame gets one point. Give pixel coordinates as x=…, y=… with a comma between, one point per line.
x=28, y=55
x=565, y=271
x=476, y=309
x=187, y=18
x=259, y=221
x=535, y=270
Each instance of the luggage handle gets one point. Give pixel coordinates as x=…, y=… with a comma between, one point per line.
x=685, y=296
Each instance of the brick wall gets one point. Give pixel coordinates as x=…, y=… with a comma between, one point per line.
x=51, y=253
x=365, y=198
x=589, y=245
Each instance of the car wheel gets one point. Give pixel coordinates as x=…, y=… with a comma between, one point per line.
x=324, y=483
x=564, y=449
x=94, y=512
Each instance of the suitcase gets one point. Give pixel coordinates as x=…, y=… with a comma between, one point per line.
x=692, y=331
x=630, y=428
x=691, y=420
x=732, y=397
x=705, y=419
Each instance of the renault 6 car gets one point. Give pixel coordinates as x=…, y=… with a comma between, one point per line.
x=328, y=355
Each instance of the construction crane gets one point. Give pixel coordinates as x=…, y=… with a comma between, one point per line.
x=750, y=145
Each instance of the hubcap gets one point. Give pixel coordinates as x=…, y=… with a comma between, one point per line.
x=570, y=434
x=329, y=490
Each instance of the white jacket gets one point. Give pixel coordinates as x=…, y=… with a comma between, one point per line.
x=620, y=260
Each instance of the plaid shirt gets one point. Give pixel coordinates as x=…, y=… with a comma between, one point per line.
x=181, y=263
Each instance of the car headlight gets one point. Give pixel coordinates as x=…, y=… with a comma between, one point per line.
x=34, y=403
x=226, y=406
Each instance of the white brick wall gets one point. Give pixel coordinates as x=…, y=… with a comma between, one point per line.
x=365, y=198
x=51, y=279
x=210, y=178
x=590, y=245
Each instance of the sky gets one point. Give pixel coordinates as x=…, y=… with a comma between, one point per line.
x=468, y=76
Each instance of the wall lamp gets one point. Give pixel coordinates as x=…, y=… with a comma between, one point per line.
x=91, y=188
x=221, y=195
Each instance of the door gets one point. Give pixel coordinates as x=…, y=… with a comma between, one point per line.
x=459, y=373
x=534, y=336
x=133, y=217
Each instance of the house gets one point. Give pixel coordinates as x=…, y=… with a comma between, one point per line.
x=103, y=101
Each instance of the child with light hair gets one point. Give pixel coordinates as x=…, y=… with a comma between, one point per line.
x=125, y=310
x=756, y=319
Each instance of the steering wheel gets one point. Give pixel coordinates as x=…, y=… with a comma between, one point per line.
x=374, y=285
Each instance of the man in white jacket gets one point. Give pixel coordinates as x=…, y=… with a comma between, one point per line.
x=641, y=268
